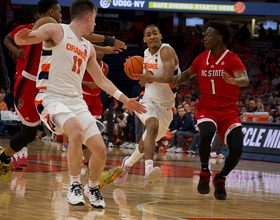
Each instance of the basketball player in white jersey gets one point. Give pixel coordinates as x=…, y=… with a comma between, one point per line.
x=65, y=57
x=161, y=63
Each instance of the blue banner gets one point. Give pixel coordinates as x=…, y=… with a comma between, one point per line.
x=214, y=7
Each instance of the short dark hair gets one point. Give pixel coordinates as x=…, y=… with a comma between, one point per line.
x=80, y=8
x=223, y=28
x=44, y=5
x=150, y=25
x=119, y=110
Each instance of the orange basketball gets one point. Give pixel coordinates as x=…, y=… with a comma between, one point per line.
x=239, y=7
x=133, y=65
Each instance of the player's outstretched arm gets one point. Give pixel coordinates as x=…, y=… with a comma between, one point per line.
x=183, y=77
x=114, y=46
x=47, y=32
x=11, y=45
x=168, y=57
x=94, y=70
x=241, y=78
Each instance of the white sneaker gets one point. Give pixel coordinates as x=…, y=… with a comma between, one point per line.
x=75, y=195
x=46, y=138
x=221, y=156
x=152, y=175
x=171, y=150
x=179, y=150
x=111, y=145
x=213, y=154
x=190, y=151
x=134, y=146
x=94, y=197
x=124, y=145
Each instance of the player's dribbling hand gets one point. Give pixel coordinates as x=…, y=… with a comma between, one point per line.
x=136, y=106
x=145, y=77
x=228, y=78
x=22, y=36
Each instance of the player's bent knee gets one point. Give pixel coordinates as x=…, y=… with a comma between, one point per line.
x=24, y=137
x=77, y=137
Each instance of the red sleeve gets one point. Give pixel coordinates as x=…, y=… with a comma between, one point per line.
x=20, y=27
x=236, y=64
x=196, y=64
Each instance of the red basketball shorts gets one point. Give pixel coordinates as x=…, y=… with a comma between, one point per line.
x=94, y=105
x=25, y=93
x=225, y=119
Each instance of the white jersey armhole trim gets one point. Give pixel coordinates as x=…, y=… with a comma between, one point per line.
x=60, y=43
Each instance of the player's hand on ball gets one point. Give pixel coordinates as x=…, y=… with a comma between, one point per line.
x=136, y=106
x=228, y=78
x=145, y=77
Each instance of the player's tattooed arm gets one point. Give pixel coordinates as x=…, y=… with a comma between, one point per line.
x=183, y=77
x=241, y=78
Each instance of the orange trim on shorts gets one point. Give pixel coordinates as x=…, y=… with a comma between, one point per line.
x=46, y=67
x=38, y=102
x=42, y=87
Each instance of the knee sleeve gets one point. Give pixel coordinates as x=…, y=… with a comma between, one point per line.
x=235, y=142
x=24, y=137
x=207, y=131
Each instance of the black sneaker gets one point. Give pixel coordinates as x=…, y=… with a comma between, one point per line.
x=203, y=185
x=220, y=190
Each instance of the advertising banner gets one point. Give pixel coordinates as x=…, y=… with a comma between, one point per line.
x=217, y=7
x=261, y=138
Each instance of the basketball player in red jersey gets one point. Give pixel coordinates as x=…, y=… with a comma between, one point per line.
x=20, y=158
x=25, y=93
x=220, y=73
x=91, y=92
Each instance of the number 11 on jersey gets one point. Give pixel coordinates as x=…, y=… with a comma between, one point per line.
x=79, y=61
x=213, y=86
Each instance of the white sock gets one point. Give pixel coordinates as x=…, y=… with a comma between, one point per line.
x=75, y=179
x=148, y=164
x=136, y=155
x=92, y=183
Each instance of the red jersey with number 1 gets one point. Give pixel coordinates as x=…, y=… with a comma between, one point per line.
x=215, y=92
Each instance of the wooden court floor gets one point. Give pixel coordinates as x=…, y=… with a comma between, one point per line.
x=39, y=191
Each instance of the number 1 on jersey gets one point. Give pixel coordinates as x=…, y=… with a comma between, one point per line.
x=79, y=61
x=213, y=86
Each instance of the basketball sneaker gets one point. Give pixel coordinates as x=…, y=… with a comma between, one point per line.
x=108, y=176
x=64, y=148
x=94, y=197
x=171, y=150
x=220, y=190
x=75, y=195
x=125, y=169
x=152, y=175
x=22, y=159
x=15, y=162
x=5, y=172
x=203, y=185
x=213, y=154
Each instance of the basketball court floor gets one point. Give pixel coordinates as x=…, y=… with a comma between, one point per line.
x=39, y=191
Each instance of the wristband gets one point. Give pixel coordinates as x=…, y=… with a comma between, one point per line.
x=117, y=94
x=109, y=41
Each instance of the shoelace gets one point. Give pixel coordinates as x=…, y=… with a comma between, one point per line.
x=96, y=193
x=77, y=188
x=204, y=179
x=221, y=186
